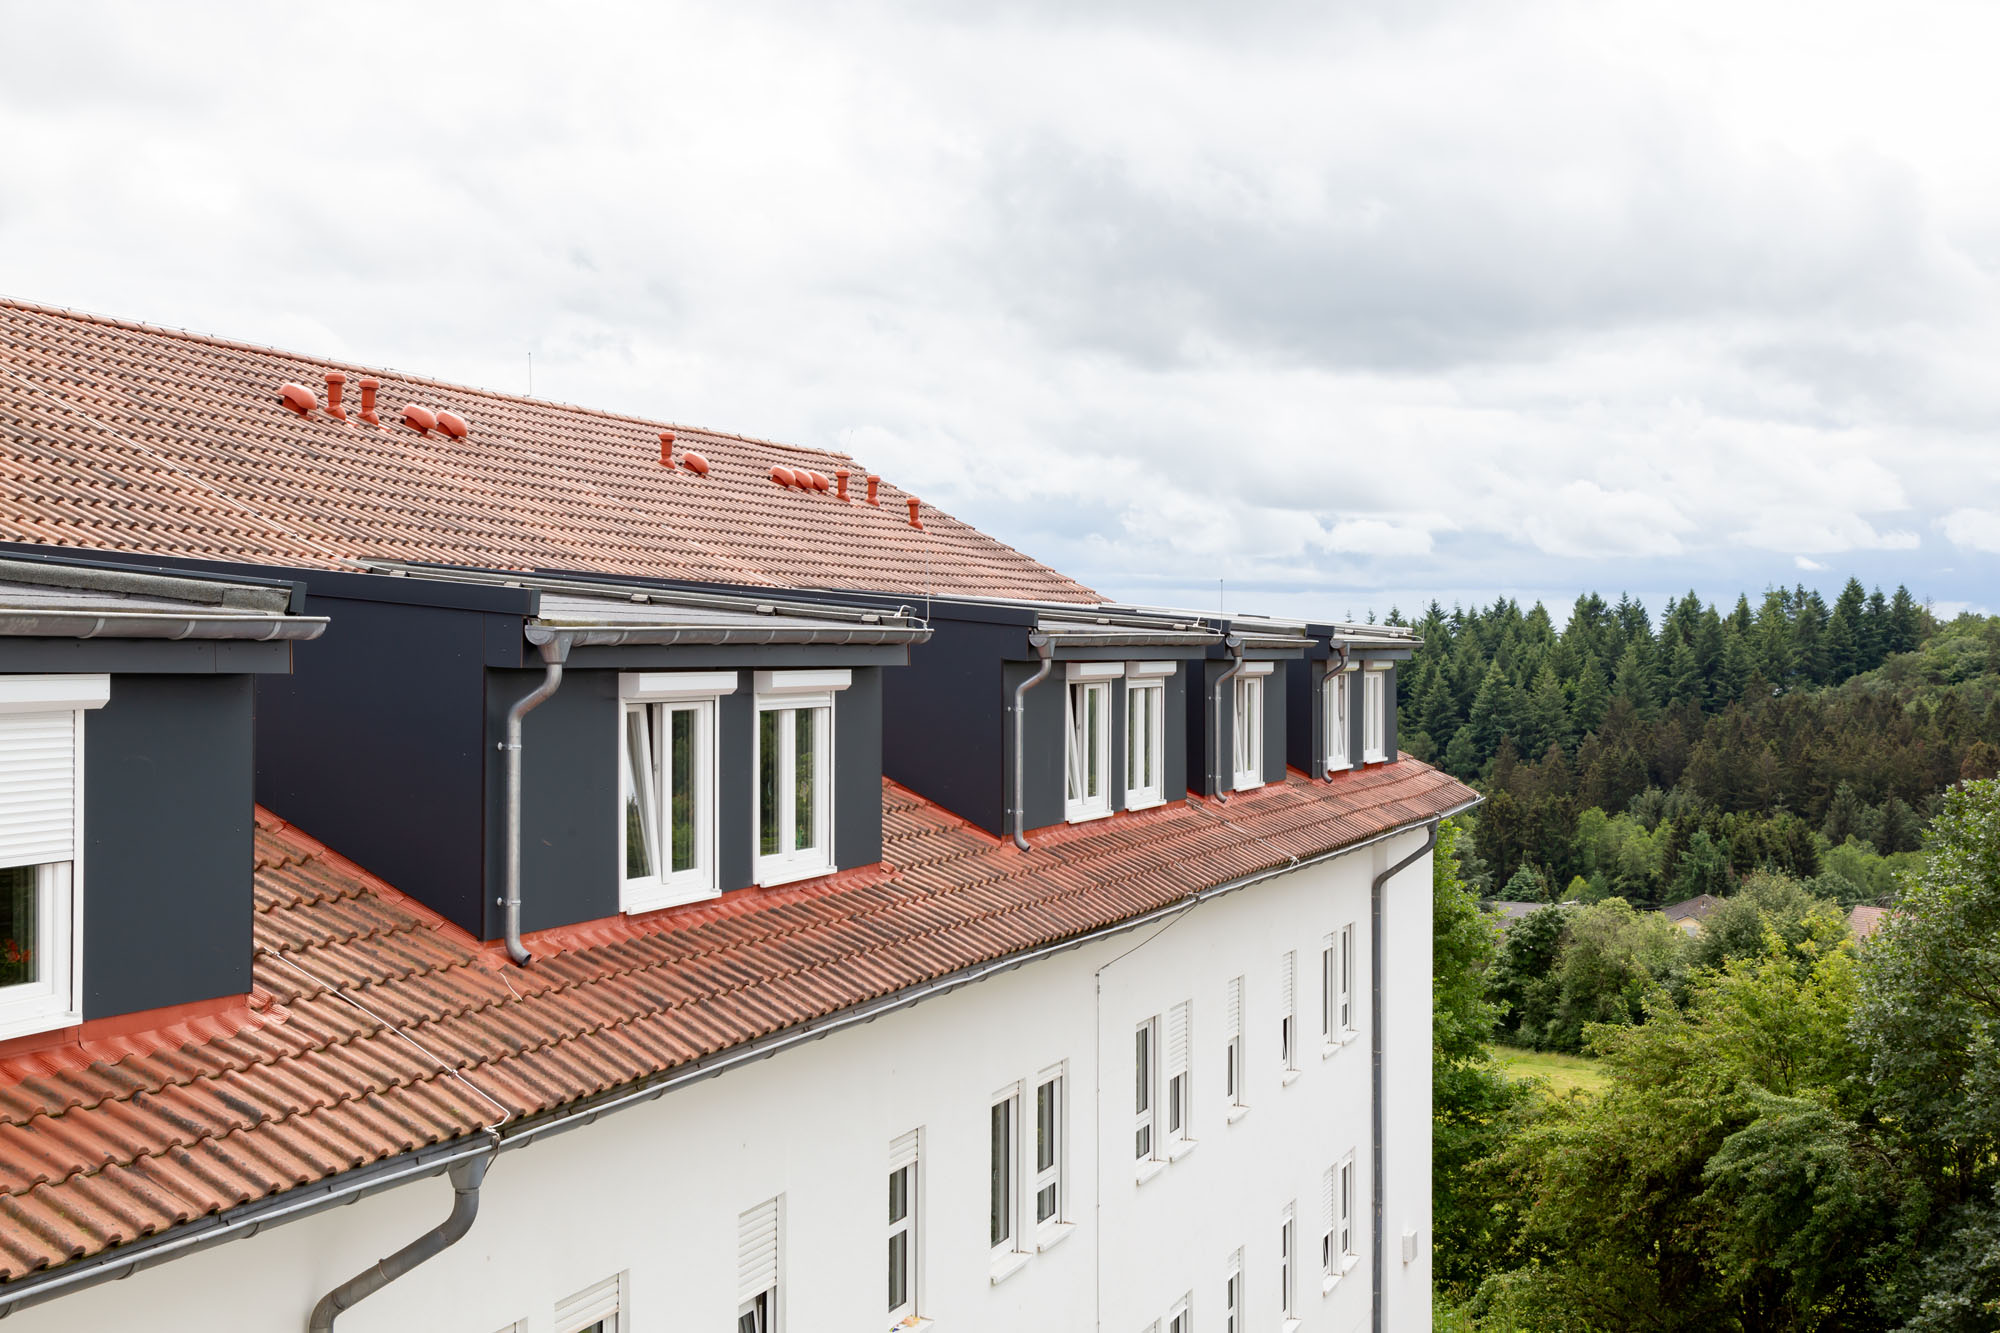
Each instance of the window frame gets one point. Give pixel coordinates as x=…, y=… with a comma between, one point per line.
x=1084, y=680
x=1337, y=989
x=1288, y=1019
x=1179, y=1315
x=1233, y=1005
x=1006, y=1177
x=54, y=999
x=1336, y=698
x=1177, y=1075
x=600, y=1306
x=1288, y=1262
x=1055, y=1176
x=1374, y=715
x=1146, y=1086
x=1232, y=1294
x=1247, y=736
x=1345, y=1253
x=783, y=692
x=908, y=1228
x=1146, y=688
x=660, y=694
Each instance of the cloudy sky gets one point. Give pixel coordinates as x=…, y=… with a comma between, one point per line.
x=1349, y=305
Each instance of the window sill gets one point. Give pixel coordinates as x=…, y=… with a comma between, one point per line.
x=1290, y=1326
x=1236, y=1113
x=1328, y=1283
x=656, y=900
x=1008, y=1264
x=1289, y=1077
x=775, y=875
x=1253, y=785
x=1054, y=1234
x=34, y=1022
x=1148, y=1169
x=1134, y=801
x=1085, y=816
x=914, y=1324
x=1329, y=1049
x=1182, y=1149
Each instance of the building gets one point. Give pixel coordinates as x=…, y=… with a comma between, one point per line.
x=1689, y=914
x=693, y=884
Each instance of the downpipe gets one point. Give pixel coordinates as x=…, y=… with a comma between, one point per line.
x=1040, y=642
x=1225, y=772
x=553, y=654
x=466, y=1178
x=1375, y=1023
x=1333, y=670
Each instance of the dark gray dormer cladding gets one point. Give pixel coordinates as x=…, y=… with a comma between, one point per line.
x=1364, y=713
x=126, y=782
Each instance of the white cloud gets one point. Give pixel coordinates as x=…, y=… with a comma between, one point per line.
x=1972, y=530
x=1804, y=563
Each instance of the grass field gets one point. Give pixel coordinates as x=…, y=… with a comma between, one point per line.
x=1563, y=1072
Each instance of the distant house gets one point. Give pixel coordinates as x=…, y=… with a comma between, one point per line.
x=1512, y=912
x=1690, y=914
x=1864, y=921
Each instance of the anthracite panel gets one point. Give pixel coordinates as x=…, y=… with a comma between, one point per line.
x=569, y=800
x=167, y=829
x=1118, y=728
x=1276, y=700
x=857, y=760
x=1302, y=718
x=1355, y=691
x=1042, y=748
x=1174, y=761
x=735, y=862
x=374, y=746
x=945, y=731
x=1389, y=706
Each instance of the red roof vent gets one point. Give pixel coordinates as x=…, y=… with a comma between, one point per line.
x=820, y=483
x=334, y=381
x=840, y=476
x=452, y=424
x=297, y=397
x=914, y=502
x=695, y=463
x=419, y=419
x=666, y=448
x=369, y=384
x=873, y=482
x=782, y=475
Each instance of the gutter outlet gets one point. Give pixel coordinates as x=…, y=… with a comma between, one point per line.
x=466, y=1178
x=1224, y=774
x=1379, y=1241
x=553, y=654
x=1040, y=642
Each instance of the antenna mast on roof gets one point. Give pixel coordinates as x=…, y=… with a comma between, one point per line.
x=531, y=374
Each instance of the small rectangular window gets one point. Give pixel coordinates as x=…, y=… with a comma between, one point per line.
x=598, y=1309
x=1087, y=744
x=1337, y=986
x=1177, y=1318
x=667, y=776
x=1373, y=717
x=1050, y=1128
x=41, y=759
x=1335, y=715
x=1232, y=1295
x=1344, y=965
x=794, y=788
x=1179, y=1019
x=1146, y=733
x=1288, y=971
x=1287, y=1234
x=1249, y=730
x=1144, y=1110
x=757, y=1268
x=1346, y=1203
x=1003, y=1127
x=1233, y=1048
x=903, y=1231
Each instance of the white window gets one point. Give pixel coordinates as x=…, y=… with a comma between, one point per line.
x=1003, y=1205
x=904, y=1235
x=1373, y=717
x=1335, y=714
x=1177, y=1318
x=1337, y=987
x=1232, y=1295
x=1146, y=733
x=1051, y=1125
x=597, y=1309
x=1178, y=1100
x=1087, y=733
x=1144, y=1108
x=41, y=817
x=1329, y=1241
x=1345, y=1200
x=666, y=779
x=1287, y=1257
x=1288, y=973
x=1232, y=1020
x=1249, y=725
x=794, y=816
x=757, y=1268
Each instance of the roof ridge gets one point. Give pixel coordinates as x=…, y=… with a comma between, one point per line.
x=390, y=372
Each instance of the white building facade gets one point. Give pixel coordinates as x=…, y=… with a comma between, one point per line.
x=1164, y=1163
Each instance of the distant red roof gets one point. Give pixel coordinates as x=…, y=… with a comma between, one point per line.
x=128, y=437
x=122, y=1138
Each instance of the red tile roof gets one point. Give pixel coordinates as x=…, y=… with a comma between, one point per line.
x=376, y=1028
x=124, y=436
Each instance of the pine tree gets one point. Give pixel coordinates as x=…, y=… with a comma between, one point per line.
x=1845, y=816
x=1635, y=683
x=1547, y=721
x=1593, y=695
x=1846, y=638
x=1811, y=661
x=1875, y=631
x=1496, y=712
x=1772, y=650
x=1905, y=622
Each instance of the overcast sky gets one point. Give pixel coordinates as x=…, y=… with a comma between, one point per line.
x=1351, y=305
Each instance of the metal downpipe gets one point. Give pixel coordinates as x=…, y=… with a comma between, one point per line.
x=466, y=1178
x=1225, y=773
x=1334, y=670
x=1040, y=642
x=553, y=653
x=1375, y=1184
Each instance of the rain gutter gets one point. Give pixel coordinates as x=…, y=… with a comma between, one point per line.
x=53, y=624
x=585, y=635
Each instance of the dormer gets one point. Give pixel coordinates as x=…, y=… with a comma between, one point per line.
x=1344, y=700
x=126, y=801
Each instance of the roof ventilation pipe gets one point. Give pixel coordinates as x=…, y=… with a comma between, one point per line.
x=466, y=1178
x=840, y=477
x=298, y=398
x=915, y=522
x=554, y=652
x=1040, y=642
x=1375, y=964
x=335, y=381
x=873, y=482
x=369, y=384
x=1339, y=665
x=1224, y=775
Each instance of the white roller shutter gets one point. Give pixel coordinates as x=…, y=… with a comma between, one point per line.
x=37, y=788
x=1233, y=1008
x=1288, y=984
x=1332, y=1206
x=903, y=1151
x=1177, y=1038
x=757, y=1250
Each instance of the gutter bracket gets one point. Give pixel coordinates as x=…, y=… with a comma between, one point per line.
x=1040, y=643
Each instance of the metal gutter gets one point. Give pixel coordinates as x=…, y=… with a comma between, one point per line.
x=255, y=626
x=1135, y=639
x=587, y=635
x=1040, y=643
x=1377, y=1186
x=249, y=1219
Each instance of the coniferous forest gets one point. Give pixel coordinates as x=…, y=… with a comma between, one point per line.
x=1788, y=1127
